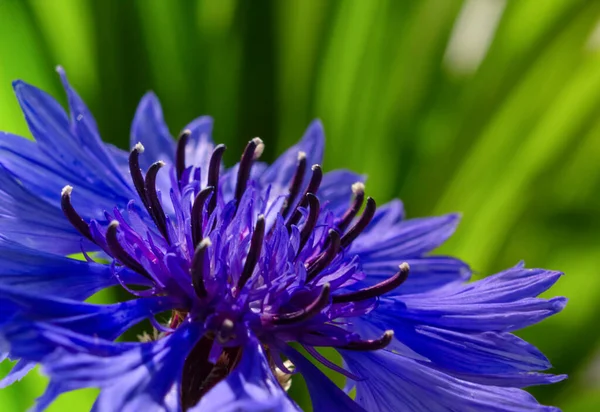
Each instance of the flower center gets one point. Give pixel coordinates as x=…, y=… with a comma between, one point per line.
x=239, y=260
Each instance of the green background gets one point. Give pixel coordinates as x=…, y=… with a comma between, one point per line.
x=506, y=131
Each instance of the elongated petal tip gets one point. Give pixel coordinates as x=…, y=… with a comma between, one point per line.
x=558, y=304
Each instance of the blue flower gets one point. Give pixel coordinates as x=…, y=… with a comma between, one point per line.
x=245, y=260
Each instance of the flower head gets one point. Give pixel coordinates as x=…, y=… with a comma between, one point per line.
x=245, y=260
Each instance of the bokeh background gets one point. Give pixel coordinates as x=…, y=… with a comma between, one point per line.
x=487, y=107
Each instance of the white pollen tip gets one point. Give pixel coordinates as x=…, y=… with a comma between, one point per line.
x=404, y=267
x=315, y=167
x=66, y=191
x=114, y=223
x=187, y=131
x=358, y=187
x=139, y=147
x=204, y=243
x=389, y=333
x=261, y=217
x=301, y=155
x=260, y=147
x=227, y=324
x=161, y=163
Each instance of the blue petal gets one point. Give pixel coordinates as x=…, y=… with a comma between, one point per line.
x=501, y=358
x=390, y=240
x=324, y=394
x=84, y=128
x=32, y=271
x=149, y=128
x=199, y=147
x=59, y=157
x=280, y=173
x=131, y=376
x=408, y=238
x=251, y=386
x=99, y=321
x=502, y=302
x=34, y=222
x=104, y=321
x=18, y=372
x=391, y=379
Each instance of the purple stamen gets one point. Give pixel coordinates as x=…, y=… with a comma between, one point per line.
x=72, y=215
x=136, y=172
x=252, y=151
x=197, y=218
x=325, y=258
x=315, y=179
x=311, y=220
x=154, y=206
x=376, y=290
x=312, y=309
x=213, y=174
x=313, y=186
x=253, y=253
x=371, y=344
x=359, y=196
x=197, y=268
x=120, y=254
x=362, y=223
x=295, y=185
x=180, y=154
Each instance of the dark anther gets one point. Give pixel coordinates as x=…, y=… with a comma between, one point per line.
x=311, y=221
x=295, y=185
x=252, y=151
x=359, y=196
x=197, y=214
x=315, y=307
x=136, y=172
x=325, y=258
x=371, y=344
x=154, y=206
x=213, y=174
x=180, y=154
x=72, y=215
x=376, y=290
x=253, y=253
x=120, y=254
x=197, y=268
x=362, y=223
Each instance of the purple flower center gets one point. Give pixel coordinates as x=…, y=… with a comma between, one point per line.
x=238, y=261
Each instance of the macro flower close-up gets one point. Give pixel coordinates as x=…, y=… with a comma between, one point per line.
x=245, y=274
